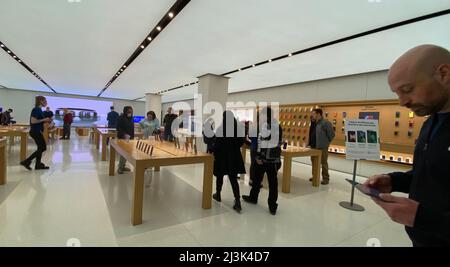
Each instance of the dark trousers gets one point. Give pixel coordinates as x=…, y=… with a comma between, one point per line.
x=41, y=147
x=252, y=165
x=66, y=130
x=234, y=185
x=168, y=136
x=271, y=169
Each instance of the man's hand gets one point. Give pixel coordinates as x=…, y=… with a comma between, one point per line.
x=400, y=209
x=382, y=183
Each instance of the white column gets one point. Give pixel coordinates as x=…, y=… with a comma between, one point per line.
x=153, y=102
x=213, y=88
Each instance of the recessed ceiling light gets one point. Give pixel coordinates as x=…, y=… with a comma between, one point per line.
x=2, y=45
x=290, y=55
x=142, y=46
x=9, y=52
x=239, y=69
x=171, y=15
x=124, y=66
x=270, y=60
x=253, y=65
x=158, y=28
x=20, y=60
x=14, y=56
x=149, y=38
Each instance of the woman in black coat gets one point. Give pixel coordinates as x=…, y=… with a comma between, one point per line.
x=230, y=136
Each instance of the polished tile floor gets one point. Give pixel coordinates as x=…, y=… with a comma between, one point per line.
x=77, y=200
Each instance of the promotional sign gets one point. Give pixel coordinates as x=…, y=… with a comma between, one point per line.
x=362, y=139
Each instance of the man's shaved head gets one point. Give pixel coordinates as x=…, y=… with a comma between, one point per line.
x=421, y=79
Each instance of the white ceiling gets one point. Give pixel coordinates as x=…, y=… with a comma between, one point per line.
x=77, y=47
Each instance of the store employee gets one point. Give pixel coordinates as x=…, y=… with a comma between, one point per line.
x=421, y=79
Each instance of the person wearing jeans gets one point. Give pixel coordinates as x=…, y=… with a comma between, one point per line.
x=36, y=132
x=125, y=130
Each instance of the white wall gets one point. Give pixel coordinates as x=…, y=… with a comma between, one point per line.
x=22, y=101
x=367, y=86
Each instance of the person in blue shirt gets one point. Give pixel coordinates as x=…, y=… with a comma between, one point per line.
x=112, y=118
x=37, y=121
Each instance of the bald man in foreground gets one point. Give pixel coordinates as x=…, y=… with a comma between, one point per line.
x=421, y=79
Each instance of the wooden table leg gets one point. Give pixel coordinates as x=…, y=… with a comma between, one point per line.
x=97, y=140
x=287, y=166
x=207, y=183
x=138, y=195
x=104, y=146
x=2, y=165
x=112, y=160
x=316, y=170
x=244, y=154
x=23, y=146
x=157, y=168
x=46, y=134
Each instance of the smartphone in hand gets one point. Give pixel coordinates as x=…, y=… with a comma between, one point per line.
x=366, y=190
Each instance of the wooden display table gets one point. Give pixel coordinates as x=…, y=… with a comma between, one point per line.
x=17, y=131
x=59, y=131
x=2, y=161
x=294, y=152
x=49, y=132
x=93, y=130
x=21, y=126
x=164, y=154
x=82, y=131
x=106, y=133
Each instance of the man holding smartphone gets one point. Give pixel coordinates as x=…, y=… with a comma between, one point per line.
x=421, y=79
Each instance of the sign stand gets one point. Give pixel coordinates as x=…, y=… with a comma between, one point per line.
x=351, y=205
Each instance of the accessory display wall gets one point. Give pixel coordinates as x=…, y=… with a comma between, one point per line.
x=399, y=128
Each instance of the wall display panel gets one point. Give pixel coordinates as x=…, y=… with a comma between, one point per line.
x=399, y=128
x=85, y=112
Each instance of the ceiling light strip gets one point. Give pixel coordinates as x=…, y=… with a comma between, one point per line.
x=20, y=61
x=149, y=38
x=351, y=37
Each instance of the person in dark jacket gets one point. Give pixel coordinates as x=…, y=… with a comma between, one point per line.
x=421, y=79
x=112, y=118
x=209, y=138
x=125, y=130
x=268, y=159
x=7, y=118
x=227, y=156
x=167, y=122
